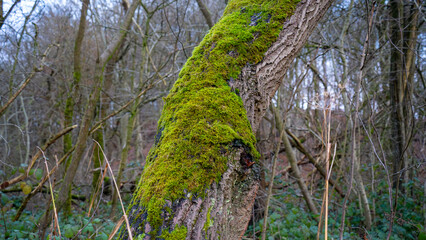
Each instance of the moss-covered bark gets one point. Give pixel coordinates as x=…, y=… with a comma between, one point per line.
x=70, y=102
x=204, y=120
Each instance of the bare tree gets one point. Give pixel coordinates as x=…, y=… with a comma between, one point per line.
x=90, y=109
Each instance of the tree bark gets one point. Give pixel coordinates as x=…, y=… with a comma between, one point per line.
x=259, y=82
x=200, y=177
x=356, y=144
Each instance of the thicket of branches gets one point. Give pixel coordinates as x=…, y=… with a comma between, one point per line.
x=342, y=144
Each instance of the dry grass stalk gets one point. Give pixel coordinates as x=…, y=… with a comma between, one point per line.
x=55, y=213
x=119, y=196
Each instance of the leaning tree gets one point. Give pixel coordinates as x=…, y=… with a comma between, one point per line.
x=201, y=176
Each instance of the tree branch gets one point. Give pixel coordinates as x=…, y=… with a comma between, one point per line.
x=25, y=83
x=206, y=13
x=3, y=18
x=35, y=157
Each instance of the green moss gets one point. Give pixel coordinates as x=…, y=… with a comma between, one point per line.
x=154, y=211
x=202, y=117
x=140, y=236
x=209, y=220
x=179, y=233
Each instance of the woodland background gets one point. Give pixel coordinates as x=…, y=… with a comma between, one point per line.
x=352, y=104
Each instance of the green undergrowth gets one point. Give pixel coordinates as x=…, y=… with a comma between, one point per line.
x=203, y=116
x=77, y=226
x=290, y=220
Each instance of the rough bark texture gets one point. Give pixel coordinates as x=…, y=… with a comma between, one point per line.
x=200, y=177
x=222, y=213
x=259, y=82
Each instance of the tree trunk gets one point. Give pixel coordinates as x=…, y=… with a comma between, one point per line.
x=91, y=105
x=314, y=162
x=280, y=124
x=103, y=105
x=401, y=75
x=134, y=112
x=410, y=46
x=200, y=177
x=73, y=95
x=356, y=144
x=296, y=172
x=127, y=137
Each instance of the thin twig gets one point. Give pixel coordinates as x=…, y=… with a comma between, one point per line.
x=326, y=142
x=35, y=157
x=100, y=122
x=98, y=188
x=25, y=83
x=116, y=228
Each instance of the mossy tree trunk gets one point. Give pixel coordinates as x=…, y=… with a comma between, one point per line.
x=74, y=91
x=83, y=134
x=201, y=176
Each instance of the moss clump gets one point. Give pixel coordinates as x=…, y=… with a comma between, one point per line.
x=202, y=117
x=179, y=233
x=209, y=220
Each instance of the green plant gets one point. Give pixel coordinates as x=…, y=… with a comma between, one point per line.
x=77, y=226
x=290, y=220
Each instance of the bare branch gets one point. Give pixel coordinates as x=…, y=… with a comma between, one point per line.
x=35, y=157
